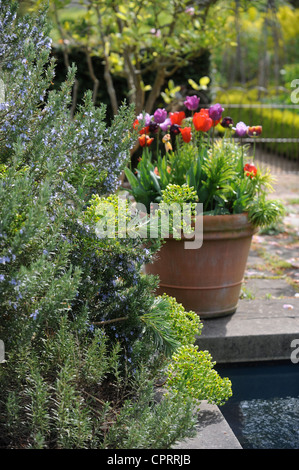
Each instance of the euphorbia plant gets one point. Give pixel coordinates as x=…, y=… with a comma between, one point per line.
x=217, y=168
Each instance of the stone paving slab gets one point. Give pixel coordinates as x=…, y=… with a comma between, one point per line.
x=258, y=331
x=269, y=288
x=213, y=431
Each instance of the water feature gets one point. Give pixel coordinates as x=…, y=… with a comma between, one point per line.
x=264, y=410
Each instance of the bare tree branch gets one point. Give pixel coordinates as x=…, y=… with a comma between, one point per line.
x=66, y=60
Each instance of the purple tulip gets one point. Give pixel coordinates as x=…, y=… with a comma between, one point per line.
x=240, y=129
x=227, y=122
x=165, y=125
x=153, y=127
x=147, y=118
x=192, y=102
x=215, y=111
x=160, y=115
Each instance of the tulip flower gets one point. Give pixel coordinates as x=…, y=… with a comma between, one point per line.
x=177, y=117
x=144, y=130
x=227, y=122
x=215, y=112
x=160, y=115
x=192, y=102
x=186, y=134
x=174, y=129
x=240, y=129
x=250, y=170
x=145, y=140
x=165, y=125
x=167, y=142
x=146, y=116
x=153, y=127
x=254, y=130
x=202, y=121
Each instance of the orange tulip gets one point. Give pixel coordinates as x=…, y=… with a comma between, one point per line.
x=145, y=140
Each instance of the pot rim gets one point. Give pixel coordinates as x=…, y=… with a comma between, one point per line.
x=221, y=226
x=227, y=222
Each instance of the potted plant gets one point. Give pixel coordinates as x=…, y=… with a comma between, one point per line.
x=232, y=192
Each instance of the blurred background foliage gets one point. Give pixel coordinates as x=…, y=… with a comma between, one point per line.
x=154, y=53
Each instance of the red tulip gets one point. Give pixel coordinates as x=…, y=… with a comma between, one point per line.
x=202, y=121
x=186, y=134
x=250, y=170
x=177, y=117
x=145, y=140
x=144, y=130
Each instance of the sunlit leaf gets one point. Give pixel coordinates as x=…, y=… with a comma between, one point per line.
x=193, y=84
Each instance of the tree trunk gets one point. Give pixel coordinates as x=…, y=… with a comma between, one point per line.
x=107, y=73
x=93, y=76
x=156, y=90
x=276, y=37
x=67, y=62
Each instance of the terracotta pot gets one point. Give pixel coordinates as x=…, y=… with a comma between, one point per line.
x=207, y=280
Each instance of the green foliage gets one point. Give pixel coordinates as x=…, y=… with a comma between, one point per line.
x=146, y=187
x=178, y=201
x=133, y=39
x=176, y=194
x=264, y=213
x=152, y=177
x=151, y=422
x=192, y=373
x=220, y=169
x=186, y=325
x=263, y=38
x=100, y=413
x=276, y=123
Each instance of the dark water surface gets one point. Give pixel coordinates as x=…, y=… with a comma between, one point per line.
x=264, y=409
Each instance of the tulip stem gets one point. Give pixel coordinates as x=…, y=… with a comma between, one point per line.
x=242, y=157
x=158, y=141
